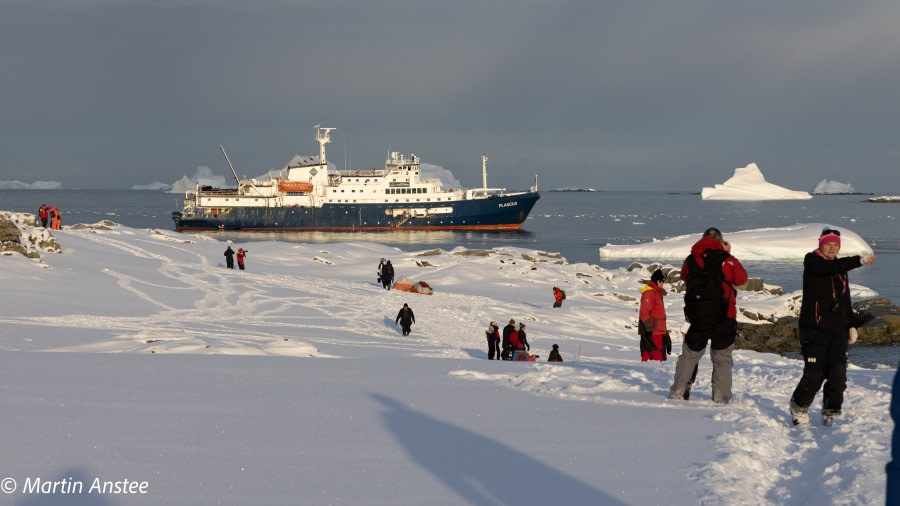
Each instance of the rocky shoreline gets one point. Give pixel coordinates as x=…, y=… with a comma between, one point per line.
x=881, y=327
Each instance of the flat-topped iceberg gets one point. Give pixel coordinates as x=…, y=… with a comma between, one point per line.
x=775, y=244
x=748, y=183
x=37, y=185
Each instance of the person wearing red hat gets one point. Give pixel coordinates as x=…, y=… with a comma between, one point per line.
x=827, y=327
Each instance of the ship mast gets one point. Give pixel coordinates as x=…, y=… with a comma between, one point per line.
x=324, y=137
x=484, y=173
x=236, y=179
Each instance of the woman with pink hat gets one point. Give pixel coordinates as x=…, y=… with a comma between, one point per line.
x=827, y=327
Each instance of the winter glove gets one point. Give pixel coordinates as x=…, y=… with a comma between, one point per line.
x=528, y=347
x=647, y=343
x=667, y=342
x=854, y=335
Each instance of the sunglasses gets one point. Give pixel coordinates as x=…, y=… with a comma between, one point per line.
x=829, y=232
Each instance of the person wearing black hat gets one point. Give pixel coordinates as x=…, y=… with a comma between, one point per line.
x=554, y=355
x=229, y=258
x=655, y=342
x=406, y=318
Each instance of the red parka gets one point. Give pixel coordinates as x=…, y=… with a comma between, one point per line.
x=735, y=274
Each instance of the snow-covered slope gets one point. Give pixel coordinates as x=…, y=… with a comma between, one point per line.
x=289, y=383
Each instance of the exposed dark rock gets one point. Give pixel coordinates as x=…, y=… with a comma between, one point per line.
x=881, y=327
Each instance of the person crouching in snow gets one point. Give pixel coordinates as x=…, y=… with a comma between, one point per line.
x=655, y=342
x=406, y=318
x=240, y=257
x=554, y=355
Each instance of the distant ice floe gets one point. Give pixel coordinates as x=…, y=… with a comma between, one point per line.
x=764, y=244
x=748, y=183
x=831, y=187
x=152, y=186
x=573, y=189
x=885, y=198
x=37, y=185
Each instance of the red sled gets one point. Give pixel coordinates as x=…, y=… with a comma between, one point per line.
x=523, y=356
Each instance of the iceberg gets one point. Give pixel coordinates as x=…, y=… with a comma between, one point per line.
x=152, y=186
x=748, y=183
x=830, y=187
x=203, y=177
x=37, y=185
x=763, y=244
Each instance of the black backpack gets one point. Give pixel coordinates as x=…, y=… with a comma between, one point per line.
x=705, y=305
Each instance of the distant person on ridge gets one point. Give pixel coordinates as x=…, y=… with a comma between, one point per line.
x=58, y=219
x=493, y=339
x=229, y=258
x=44, y=214
x=240, y=258
x=554, y=355
x=559, y=296
x=52, y=212
x=655, y=342
x=710, y=274
x=406, y=318
x=827, y=327
x=380, y=270
x=387, y=275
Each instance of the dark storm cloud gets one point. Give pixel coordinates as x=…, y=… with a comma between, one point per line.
x=619, y=95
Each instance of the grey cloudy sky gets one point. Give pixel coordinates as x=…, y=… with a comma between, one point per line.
x=613, y=95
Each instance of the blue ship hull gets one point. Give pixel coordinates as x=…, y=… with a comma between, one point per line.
x=500, y=212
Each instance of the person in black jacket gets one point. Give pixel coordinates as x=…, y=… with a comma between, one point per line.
x=827, y=327
x=506, y=352
x=406, y=318
x=554, y=355
x=523, y=340
x=387, y=275
x=229, y=258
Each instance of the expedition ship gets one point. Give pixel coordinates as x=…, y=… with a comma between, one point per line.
x=307, y=195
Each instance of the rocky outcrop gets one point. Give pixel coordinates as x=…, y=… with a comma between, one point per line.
x=20, y=233
x=881, y=327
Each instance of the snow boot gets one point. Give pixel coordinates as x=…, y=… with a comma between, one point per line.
x=798, y=414
x=828, y=416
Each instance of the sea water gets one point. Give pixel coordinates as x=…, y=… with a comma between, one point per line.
x=575, y=224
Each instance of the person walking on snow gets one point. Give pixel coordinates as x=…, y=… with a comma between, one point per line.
x=558, y=295
x=229, y=258
x=240, y=258
x=380, y=269
x=493, y=339
x=406, y=318
x=709, y=268
x=655, y=341
x=827, y=327
x=387, y=275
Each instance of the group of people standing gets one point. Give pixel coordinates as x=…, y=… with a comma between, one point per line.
x=513, y=344
x=827, y=321
x=230, y=255
x=51, y=215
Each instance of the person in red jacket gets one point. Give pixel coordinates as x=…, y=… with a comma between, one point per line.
x=712, y=248
x=558, y=296
x=655, y=343
x=240, y=258
x=44, y=214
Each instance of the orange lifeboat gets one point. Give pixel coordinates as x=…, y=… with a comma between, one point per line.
x=295, y=186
